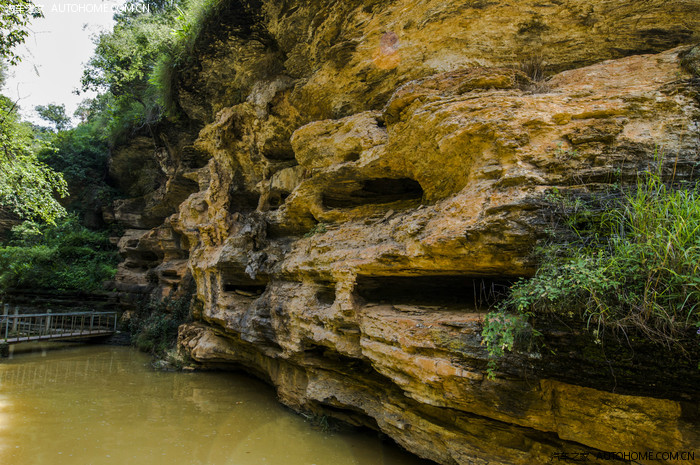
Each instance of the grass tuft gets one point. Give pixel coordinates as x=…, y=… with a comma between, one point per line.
x=635, y=269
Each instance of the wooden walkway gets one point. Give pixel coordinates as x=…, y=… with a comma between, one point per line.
x=56, y=326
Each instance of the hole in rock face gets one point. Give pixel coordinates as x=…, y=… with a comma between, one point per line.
x=277, y=198
x=247, y=290
x=243, y=201
x=354, y=156
x=379, y=191
x=279, y=153
x=326, y=294
x=473, y=293
x=240, y=198
x=236, y=281
x=148, y=256
x=194, y=158
x=182, y=244
x=132, y=265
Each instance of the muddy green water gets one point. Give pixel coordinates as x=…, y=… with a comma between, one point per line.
x=105, y=405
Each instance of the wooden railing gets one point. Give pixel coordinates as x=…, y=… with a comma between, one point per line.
x=46, y=326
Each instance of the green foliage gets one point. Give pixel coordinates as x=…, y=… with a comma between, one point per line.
x=54, y=114
x=81, y=154
x=125, y=56
x=319, y=228
x=136, y=64
x=64, y=257
x=95, y=109
x=635, y=269
x=154, y=327
x=123, y=64
x=501, y=331
x=120, y=68
x=27, y=185
x=188, y=25
x=15, y=16
x=162, y=80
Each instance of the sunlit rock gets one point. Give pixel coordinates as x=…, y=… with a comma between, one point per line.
x=368, y=176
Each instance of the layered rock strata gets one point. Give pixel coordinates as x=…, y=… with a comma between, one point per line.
x=370, y=175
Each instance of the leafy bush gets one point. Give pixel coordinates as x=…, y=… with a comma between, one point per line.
x=641, y=275
x=64, y=257
x=318, y=228
x=501, y=331
x=156, y=333
x=27, y=185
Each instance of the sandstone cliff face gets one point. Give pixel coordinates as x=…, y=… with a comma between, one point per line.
x=368, y=175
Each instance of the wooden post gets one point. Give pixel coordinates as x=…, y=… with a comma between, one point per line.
x=16, y=313
x=48, y=322
x=7, y=321
x=5, y=313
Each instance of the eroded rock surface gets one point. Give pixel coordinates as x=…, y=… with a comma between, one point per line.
x=369, y=174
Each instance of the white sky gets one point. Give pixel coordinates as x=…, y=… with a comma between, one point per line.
x=54, y=54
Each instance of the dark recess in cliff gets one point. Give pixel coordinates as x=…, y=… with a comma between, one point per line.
x=463, y=292
x=377, y=191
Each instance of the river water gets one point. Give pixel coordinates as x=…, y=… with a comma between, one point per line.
x=99, y=405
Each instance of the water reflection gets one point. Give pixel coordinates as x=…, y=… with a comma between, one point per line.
x=104, y=405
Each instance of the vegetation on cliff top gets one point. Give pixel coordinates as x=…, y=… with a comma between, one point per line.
x=189, y=25
x=134, y=65
x=122, y=66
x=632, y=268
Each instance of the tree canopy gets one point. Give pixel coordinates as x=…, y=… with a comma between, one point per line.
x=15, y=16
x=33, y=162
x=27, y=186
x=54, y=114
